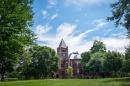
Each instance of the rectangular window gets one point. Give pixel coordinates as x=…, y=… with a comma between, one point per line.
x=63, y=50
x=66, y=64
x=62, y=65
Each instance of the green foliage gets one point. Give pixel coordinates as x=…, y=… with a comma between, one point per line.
x=98, y=61
x=127, y=52
x=85, y=58
x=127, y=59
x=70, y=71
x=121, y=13
x=11, y=79
x=126, y=66
x=36, y=62
x=15, y=19
x=113, y=62
x=95, y=63
x=98, y=46
x=23, y=64
x=93, y=59
x=44, y=61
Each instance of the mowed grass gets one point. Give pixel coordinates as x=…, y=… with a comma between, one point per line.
x=71, y=82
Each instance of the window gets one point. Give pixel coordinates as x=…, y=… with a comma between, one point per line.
x=66, y=64
x=63, y=50
x=77, y=70
x=74, y=63
x=62, y=65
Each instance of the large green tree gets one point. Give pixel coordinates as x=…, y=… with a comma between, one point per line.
x=113, y=62
x=121, y=14
x=98, y=46
x=44, y=61
x=92, y=60
x=94, y=66
x=15, y=20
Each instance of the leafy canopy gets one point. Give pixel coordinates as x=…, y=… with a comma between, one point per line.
x=98, y=46
x=15, y=20
x=121, y=14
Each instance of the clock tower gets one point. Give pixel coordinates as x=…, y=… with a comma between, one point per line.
x=62, y=52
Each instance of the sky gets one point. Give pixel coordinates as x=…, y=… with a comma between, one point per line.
x=79, y=23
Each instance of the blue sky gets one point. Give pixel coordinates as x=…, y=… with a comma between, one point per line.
x=78, y=22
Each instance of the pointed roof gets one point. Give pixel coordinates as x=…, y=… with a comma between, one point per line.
x=62, y=44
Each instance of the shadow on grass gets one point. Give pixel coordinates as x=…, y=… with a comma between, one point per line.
x=125, y=85
x=125, y=81
x=119, y=80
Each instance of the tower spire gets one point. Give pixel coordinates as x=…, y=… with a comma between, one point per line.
x=62, y=44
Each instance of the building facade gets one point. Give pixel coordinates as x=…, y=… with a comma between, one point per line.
x=66, y=60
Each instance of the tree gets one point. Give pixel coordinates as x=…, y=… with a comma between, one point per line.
x=98, y=47
x=85, y=58
x=24, y=64
x=15, y=20
x=94, y=66
x=126, y=66
x=70, y=71
x=21, y=67
x=127, y=60
x=113, y=62
x=127, y=52
x=121, y=13
x=44, y=61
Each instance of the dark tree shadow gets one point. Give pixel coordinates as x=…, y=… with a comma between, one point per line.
x=124, y=80
x=125, y=85
x=119, y=80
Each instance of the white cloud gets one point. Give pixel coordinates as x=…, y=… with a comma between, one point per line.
x=65, y=29
x=45, y=14
x=42, y=30
x=67, y=32
x=52, y=3
x=88, y=2
x=107, y=31
x=115, y=44
x=119, y=35
x=76, y=42
x=99, y=23
x=96, y=38
x=54, y=16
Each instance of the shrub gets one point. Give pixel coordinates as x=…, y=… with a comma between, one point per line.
x=11, y=79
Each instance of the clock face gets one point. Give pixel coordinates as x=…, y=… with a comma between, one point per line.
x=63, y=54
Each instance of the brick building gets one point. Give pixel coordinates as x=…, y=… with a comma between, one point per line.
x=66, y=60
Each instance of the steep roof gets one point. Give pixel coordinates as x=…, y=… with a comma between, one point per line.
x=62, y=44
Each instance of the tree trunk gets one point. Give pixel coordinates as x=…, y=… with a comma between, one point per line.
x=2, y=77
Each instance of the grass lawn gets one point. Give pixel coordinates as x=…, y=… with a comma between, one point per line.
x=70, y=82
